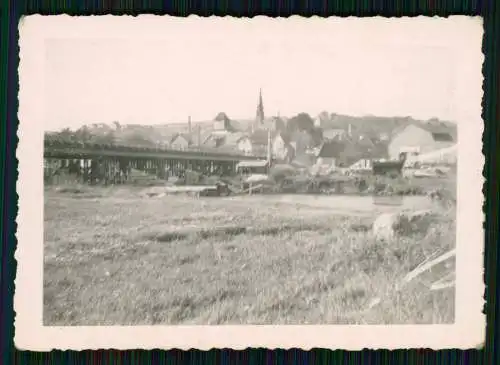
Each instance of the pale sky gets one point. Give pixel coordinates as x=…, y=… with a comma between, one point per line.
x=173, y=68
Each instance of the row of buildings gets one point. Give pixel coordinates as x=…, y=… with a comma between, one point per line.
x=254, y=137
x=342, y=145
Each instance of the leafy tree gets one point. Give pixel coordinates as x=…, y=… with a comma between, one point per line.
x=138, y=139
x=303, y=141
x=301, y=122
x=317, y=136
x=83, y=134
x=106, y=139
x=306, y=133
x=66, y=136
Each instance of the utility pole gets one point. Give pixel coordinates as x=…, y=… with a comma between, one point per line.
x=198, y=132
x=269, y=152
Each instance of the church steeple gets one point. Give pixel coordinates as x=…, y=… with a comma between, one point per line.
x=259, y=117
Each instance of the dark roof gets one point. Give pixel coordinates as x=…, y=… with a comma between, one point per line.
x=228, y=123
x=221, y=117
x=259, y=137
x=442, y=136
x=186, y=136
x=435, y=128
x=331, y=149
x=213, y=140
x=441, y=132
x=366, y=141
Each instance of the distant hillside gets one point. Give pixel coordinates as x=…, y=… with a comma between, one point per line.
x=154, y=135
x=375, y=126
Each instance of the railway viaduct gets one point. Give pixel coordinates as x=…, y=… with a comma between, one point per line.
x=113, y=164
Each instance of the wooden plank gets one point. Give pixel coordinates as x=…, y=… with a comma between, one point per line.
x=423, y=268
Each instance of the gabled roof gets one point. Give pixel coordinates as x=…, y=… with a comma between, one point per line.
x=442, y=136
x=440, y=131
x=228, y=123
x=220, y=141
x=186, y=136
x=365, y=141
x=331, y=149
x=213, y=140
x=221, y=117
x=435, y=129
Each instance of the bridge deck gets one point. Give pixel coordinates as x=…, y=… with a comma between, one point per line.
x=102, y=151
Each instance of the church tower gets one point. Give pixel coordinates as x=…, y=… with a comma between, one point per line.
x=259, y=117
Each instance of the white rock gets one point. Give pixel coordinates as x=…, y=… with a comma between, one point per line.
x=388, y=226
x=383, y=227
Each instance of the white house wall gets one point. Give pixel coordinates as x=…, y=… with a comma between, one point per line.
x=278, y=148
x=179, y=143
x=245, y=146
x=414, y=139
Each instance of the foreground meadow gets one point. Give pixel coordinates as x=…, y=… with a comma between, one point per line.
x=113, y=257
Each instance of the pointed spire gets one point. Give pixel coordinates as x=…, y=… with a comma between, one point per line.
x=260, y=110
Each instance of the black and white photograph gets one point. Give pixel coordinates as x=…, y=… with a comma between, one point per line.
x=192, y=173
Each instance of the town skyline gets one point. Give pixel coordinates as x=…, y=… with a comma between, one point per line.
x=208, y=121
x=257, y=119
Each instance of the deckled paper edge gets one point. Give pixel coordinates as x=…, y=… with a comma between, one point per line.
x=30, y=334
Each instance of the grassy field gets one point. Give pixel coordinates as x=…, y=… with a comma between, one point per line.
x=113, y=257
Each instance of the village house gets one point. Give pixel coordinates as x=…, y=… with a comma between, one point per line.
x=281, y=148
x=347, y=152
x=331, y=134
x=244, y=145
x=328, y=154
x=322, y=120
x=222, y=123
x=181, y=141
x=212, y=140
x=228, y=142
x=417, y=139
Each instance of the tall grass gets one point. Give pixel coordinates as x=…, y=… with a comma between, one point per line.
x=122, y=259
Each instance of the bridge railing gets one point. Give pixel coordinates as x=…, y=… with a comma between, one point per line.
x=137, y=148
